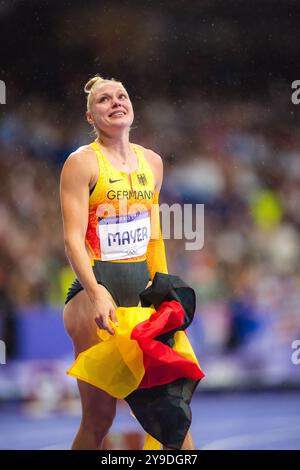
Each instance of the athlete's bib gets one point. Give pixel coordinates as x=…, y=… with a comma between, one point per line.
x=124, y=236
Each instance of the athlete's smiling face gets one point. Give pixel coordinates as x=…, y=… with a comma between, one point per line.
x=110, y=108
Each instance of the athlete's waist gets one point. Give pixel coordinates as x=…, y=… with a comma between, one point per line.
x=134, y=259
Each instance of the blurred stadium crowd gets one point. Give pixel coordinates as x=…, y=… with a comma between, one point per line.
x=237, y=154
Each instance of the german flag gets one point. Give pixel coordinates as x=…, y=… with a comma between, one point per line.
x=149, y=361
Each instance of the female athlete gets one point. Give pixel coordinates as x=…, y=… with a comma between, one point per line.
x=107, y=190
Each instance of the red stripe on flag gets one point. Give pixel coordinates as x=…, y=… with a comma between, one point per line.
x=162, y=364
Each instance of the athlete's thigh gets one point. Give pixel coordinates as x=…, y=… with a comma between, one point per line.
x=79, y=322
x=80, y=325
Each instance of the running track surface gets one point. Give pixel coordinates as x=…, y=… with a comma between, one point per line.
x=220, y=421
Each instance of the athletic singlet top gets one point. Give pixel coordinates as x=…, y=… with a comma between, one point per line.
x=119, y=210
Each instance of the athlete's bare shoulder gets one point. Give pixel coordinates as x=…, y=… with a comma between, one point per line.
x=83, y=161
x=83, y=154
x=151, y=156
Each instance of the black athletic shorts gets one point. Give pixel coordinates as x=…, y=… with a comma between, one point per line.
x=124, y=281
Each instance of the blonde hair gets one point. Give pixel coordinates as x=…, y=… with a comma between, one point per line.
x=94, y=83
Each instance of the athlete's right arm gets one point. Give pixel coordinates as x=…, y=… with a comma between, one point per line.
x=74, y=195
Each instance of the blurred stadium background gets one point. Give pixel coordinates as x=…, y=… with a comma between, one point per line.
x=210, y=83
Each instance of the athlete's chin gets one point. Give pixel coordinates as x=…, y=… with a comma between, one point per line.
x=120, y=123
x=116, y=125
x=119, y=126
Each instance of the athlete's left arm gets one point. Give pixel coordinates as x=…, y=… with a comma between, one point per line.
x=156, y=256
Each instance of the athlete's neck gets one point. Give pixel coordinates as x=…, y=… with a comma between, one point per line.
x=119, y=147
